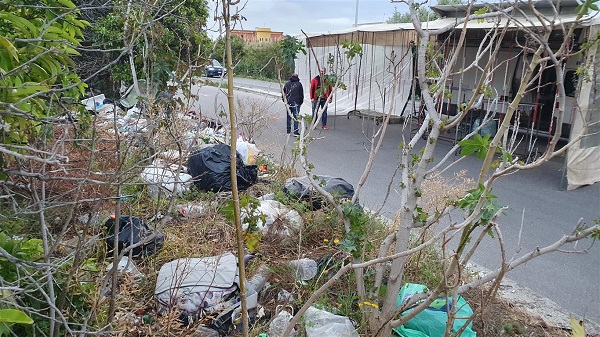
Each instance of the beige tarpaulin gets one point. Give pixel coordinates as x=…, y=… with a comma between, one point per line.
x=583, y=158
x=379, y=81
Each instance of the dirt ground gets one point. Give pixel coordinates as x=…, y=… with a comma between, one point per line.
x=503, y=318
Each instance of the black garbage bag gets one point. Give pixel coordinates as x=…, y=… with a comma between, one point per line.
x=133, y=230
x=301, y=188
x=210, y=169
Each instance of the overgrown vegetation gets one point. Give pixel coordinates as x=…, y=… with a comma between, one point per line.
x=157, y=39
x=62, y=179
x=265, y=60
x=424, y=14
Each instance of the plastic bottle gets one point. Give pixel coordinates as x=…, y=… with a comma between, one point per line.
x=191, y=210
x=258, y=281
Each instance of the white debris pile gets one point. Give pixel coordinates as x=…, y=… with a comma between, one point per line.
x=166, y=180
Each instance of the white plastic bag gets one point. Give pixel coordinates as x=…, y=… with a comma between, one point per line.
x=192, y=210
x=161, y=178
x=280, y=323
x=320, y=323
x=275, y=210
x=305, y=268
x=247, y=150
x=252, y=153
x=126, y=266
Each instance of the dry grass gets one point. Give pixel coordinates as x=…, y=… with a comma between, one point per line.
x=501, y=318
x=212, y=235
x=439, y=192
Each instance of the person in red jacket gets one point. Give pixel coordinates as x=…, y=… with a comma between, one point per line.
x=320, y=93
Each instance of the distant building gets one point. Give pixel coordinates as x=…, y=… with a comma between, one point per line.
x=258, y=35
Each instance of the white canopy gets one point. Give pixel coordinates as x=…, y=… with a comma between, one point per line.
x=372, y=85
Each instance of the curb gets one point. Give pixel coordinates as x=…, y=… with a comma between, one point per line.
x=544, y=308
x=257, y=91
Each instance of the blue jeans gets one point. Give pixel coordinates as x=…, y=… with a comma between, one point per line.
x=294, y=109
x=316, y=104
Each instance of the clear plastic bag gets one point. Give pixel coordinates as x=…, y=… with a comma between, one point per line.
x=320, y=323
x=280, y=323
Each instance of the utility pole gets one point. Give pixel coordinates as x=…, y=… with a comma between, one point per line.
x=356, y=15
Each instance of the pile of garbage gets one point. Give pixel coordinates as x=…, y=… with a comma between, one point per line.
x=208, y=165
x=124, y=112
x=207, y=288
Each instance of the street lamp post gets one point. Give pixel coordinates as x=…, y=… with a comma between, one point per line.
x=356, y=15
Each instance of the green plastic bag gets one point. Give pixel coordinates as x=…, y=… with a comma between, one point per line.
x=431, y=322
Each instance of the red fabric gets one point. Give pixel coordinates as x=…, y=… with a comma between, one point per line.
x=314, y=84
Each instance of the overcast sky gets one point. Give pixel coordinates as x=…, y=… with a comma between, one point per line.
x=290, y=16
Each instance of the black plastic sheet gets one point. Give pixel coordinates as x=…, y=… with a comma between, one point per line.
x=133, y=230
x=301, y=188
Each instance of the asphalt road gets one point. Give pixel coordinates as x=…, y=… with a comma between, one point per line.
x=539, y=212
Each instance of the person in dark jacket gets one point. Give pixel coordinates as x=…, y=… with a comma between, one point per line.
x=320, y=93
x=294, y=96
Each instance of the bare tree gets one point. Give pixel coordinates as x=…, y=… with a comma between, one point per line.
x=535, y=32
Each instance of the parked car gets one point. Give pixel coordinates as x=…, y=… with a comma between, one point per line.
x=215, y=69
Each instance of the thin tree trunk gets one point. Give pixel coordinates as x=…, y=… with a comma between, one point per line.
x=233, y=156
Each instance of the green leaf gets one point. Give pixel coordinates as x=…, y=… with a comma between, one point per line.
x=506, y=156
x=9, y=46
x=60, y=33
x=228, y=211
x=348, y=246
x=577, y=329
x=71, y=51
x=488, y=207
x=50, y=64
x=14, y=316
x=27, y=28
x=28, y=88
x=38, y=73
x=252, y=240
x=90, y=265
x=478, y=145
x=5, y=65
x=67, y=3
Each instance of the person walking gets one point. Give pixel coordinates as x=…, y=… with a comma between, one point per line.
x=294, y=95
x=320, y=93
